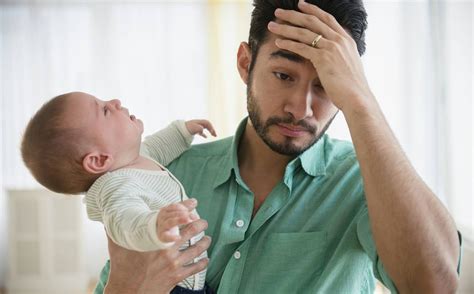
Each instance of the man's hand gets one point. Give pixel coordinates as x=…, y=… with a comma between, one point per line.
x=335, y=57
x=159, y=271
x=197, y=126
x=173, y=216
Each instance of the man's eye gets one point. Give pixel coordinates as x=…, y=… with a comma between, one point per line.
x=282, y=76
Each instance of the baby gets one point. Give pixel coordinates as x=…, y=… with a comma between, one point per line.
x=78, y=143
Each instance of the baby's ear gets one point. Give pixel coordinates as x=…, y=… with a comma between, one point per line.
x=97, y=163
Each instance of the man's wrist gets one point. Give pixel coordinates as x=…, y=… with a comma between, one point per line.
x=361, y=109
x=111, y=288
x=120, y=282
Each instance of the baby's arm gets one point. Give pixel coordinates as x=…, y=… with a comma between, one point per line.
x=130, y=222
x=169, y=143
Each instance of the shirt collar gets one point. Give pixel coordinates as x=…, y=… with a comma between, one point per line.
x=231, y=162
x=312, y=160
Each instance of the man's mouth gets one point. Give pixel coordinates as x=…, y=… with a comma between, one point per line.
x=291, y=131
x=293, y=128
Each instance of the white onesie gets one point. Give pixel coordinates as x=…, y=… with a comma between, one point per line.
x=127, y=201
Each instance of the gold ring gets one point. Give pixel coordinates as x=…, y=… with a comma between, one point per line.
x=314, y=44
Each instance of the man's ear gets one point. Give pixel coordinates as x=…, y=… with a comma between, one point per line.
x=97, y=163
x=244, y=57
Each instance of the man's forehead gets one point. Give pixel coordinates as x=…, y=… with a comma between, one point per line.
x=279, y=53
x=272, y=52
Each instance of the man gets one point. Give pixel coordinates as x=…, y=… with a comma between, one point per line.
x=289, y=209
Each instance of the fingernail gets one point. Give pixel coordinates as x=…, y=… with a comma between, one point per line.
x=272, y=24
x=278, y=11
x=302, y=2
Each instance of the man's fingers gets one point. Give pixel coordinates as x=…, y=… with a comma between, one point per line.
x=304, y=20
x=194, y=251
x=195, y=268
x=301, y=49
x=191, y=230
x=326, y=18
x=291, y=32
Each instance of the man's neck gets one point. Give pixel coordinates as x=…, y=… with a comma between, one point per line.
x=260, y=167
x=255, y=156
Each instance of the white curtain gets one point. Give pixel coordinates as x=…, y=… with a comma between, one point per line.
x=419, y=63
x=177, y=59
x=153, y=56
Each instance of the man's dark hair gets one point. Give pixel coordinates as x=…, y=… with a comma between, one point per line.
x=350, y=14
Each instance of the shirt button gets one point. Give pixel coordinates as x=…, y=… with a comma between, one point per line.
x=237, y=255
x=239, y=223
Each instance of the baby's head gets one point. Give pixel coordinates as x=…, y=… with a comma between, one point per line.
x=75, y=138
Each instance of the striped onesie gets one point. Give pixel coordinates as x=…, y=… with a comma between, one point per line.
x=127, y=201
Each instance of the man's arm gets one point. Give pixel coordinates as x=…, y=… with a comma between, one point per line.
x=156, y=272
x=414, y=234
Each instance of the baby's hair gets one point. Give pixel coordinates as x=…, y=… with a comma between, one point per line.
x=53, y=150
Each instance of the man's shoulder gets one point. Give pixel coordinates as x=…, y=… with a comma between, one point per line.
x=340, y=157
x=339, y=150
x=205, y=152
x=202, y=161
x=343, y=170
x=216, y=148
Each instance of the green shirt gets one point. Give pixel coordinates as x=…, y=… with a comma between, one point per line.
x=311, y=235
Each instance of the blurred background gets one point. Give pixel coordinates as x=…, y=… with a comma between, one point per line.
x=177, y=59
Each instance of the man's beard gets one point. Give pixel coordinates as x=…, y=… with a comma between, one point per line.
x=262, y=128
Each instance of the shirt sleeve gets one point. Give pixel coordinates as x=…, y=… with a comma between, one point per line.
x=364, y=234
x=167, y=144
x=128, y=219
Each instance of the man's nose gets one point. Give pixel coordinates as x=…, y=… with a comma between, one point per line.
x=299, y=105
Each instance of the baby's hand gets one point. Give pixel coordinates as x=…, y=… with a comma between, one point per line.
x=197, y=126
x=172, y=216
